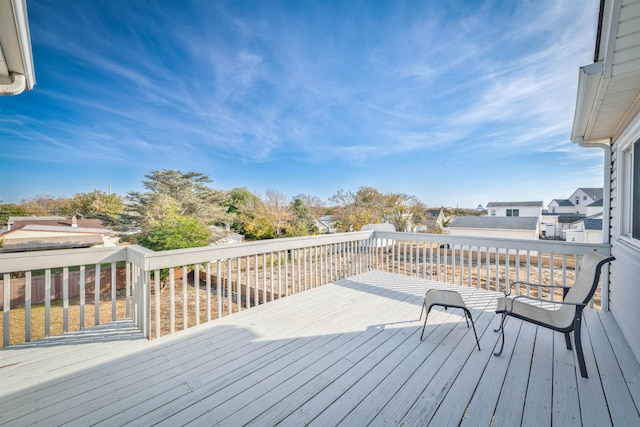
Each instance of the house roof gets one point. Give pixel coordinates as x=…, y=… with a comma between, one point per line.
x=597, y=203
x=17, y=73
x=70, y=241
x=57, y=223
x=594, y=193
x=496, y=222
x=433, y=212
x=505, y=204
x=592, y=224
x=562, y=202
x=608, y=89
x=569, y=218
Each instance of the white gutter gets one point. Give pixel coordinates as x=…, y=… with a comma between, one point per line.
x=15, y=48
x=16, y=87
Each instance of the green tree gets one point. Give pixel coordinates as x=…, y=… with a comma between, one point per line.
x=175, y=231
x=8, y=210
x=353, y=210
x=96, y=204
x=260, y=228
x=44, y=205
x=403, y=211
x=192, y=197
x=243, y=206
x=302, y=222
x=275, y=209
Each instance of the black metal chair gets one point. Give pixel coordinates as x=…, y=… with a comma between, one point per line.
x=446, y=299
x=563, y=316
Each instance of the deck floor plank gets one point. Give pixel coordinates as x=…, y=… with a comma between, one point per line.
x=347, y=354
x=565, y=388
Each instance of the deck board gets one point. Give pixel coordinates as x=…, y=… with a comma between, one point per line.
x=347, y=354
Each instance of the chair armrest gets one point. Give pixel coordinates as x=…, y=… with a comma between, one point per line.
x=576, y=304
x=507, y=292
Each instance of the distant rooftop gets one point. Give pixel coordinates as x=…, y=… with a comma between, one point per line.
x=594, y=193
x=496, y=222
x=505, y=204
x=562, y=202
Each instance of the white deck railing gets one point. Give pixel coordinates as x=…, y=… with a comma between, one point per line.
x=171, y=290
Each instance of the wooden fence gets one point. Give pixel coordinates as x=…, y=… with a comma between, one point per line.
x=18, y=285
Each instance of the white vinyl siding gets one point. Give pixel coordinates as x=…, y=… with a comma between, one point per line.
x=624, y=290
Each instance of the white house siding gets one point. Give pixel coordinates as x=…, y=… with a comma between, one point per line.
x=624, y=292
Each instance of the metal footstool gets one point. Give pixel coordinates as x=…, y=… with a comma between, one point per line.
x=446, y=299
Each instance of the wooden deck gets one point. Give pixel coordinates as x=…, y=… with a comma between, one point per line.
x=347, y=354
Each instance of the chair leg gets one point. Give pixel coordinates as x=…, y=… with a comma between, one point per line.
x=425, y=323
x=468, y=313
x=466, y=317
x=567, y=339
x=421, y=310
x=501, y=330
x=578, y=339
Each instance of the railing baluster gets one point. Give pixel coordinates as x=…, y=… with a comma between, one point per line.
x=27, y=307
x=208, y=289
x=47, y=302
x=219, y=291
x=305, y=261
x=65, y=299
x=247, y=274
x=299, y=270
x=196, y=289
x=156, y=291
x=114, y=296
x=271, y=281
x=96, y=293
x=264, y=278
x=239, y=285
x=185, y=298
x=127, y=291
x=6, y=307
x=172, y=299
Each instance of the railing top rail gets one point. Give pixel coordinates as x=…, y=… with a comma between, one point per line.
x=24, y=261
x=164, y=259
x=498, y=242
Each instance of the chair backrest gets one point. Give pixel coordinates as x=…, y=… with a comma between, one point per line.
x=587, y=277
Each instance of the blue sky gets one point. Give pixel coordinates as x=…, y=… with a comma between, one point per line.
x=459, y=103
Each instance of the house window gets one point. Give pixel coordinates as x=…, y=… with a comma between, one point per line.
x=630, y=214
x=577, y=200
x=584, y=197
x=493, y=212
x=513, y=212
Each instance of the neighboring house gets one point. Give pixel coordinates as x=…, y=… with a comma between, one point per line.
x=579, y=202
x=586, y=230
x=561, y=206
x=526, y=228
x=607, y=116
x=224, y=236
x=561, y=213
x=326, y=225
x=583, y=197
x=554, y=226
x=595, y=208
x=523, y=209
x=433, y=221
x=43, y=233
x=16, y=59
